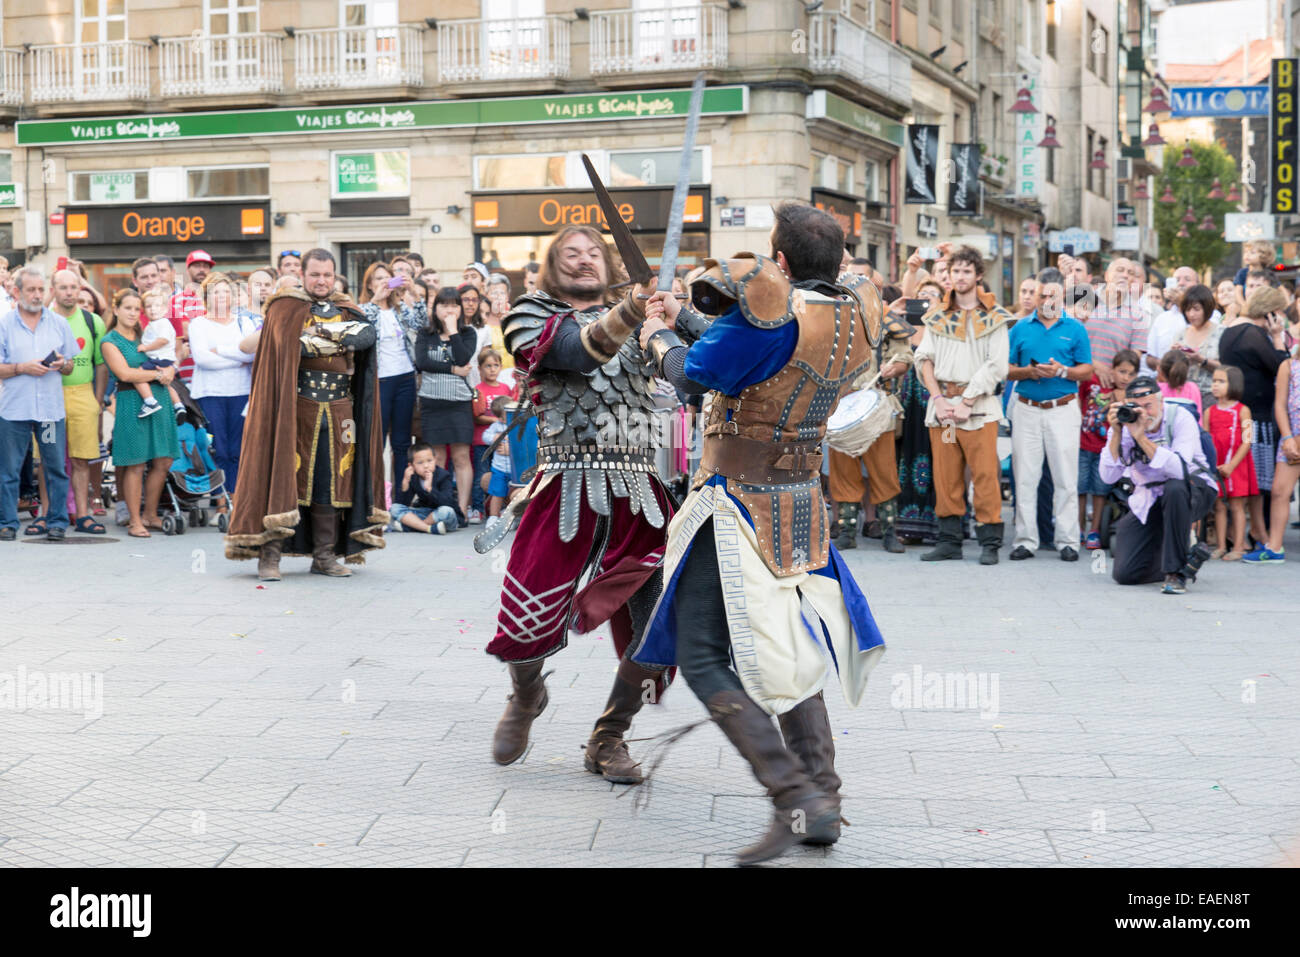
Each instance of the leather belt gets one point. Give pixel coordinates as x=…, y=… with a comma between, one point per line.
x=320, y=386
x=953, y=389
x=771, y=463
x=622, y=458
x=1053, y=404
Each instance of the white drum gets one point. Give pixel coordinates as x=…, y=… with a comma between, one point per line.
x=860, y=418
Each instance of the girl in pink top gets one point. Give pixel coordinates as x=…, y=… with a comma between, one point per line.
x=1172, y=377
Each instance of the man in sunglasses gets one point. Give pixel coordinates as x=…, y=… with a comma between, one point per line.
x=1159, y=449
x=290, y=263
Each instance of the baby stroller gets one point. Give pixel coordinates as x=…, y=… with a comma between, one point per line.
x=194, y=479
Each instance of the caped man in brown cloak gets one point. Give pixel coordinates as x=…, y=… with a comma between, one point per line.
x=311, y=478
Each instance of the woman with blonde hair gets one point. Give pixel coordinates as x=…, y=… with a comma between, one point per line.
x=223, y=373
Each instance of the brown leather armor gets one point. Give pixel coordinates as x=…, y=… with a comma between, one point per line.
x=767, y=441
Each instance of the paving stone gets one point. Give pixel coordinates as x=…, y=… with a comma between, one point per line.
x=351, y=726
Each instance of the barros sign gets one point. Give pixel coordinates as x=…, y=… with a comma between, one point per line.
x=432, y=114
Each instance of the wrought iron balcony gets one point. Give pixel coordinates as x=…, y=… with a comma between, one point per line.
x=70, y=72
x=215, y=65
x=838, y=45
x=670, y=38
x=344, y=57
x=532, y=48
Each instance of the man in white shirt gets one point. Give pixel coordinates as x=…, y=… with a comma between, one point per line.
x=1167, y=325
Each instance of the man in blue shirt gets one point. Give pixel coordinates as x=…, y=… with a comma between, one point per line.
x=35, y=345
x=1050, y=356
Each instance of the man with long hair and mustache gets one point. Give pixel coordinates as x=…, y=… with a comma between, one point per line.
x=596, y=504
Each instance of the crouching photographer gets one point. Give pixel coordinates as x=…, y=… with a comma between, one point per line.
x=1158, y=446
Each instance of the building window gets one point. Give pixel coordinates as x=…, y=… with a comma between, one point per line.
x=872, y=182
x=1091, y=139
x=654, y=167
x=1049, y=171
x=6, y=167
x=228, y=182
x=1100, y=40
x=532, y=171
x=1053, y=11
x=1101, y=173
x=115, y=186
x=1090, y=57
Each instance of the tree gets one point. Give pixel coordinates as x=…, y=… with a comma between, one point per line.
x=1190, y=186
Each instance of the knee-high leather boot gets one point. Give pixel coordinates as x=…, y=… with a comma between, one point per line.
x=324, y=526
x=887, y=512
x=802, y=810
x=607, y=754
x=523, y=707
x=848, y=526
x=807, y=732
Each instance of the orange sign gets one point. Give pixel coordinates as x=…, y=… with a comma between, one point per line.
x=486, y=213
x=78, y=226
x=694, y=208
x=252, y=222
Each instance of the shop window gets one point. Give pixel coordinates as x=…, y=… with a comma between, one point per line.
x=521, y=172
x=228, y=182
x=109, y=186
x=6, y=235
x=653, y=167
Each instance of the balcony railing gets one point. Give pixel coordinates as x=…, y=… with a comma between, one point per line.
x=838, y=45
x=677, y=38
x=213, y=65
x=528, y=49
x=359, y=56
x=11, y=77
x=118, y=70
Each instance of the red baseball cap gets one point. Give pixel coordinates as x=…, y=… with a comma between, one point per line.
x=199, y=256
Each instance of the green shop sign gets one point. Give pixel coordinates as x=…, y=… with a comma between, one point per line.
x=576, y=108
x=372, y=173
x=11, y=195
x=825, y=105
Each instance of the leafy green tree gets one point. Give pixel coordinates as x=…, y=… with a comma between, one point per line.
x=1191, y=186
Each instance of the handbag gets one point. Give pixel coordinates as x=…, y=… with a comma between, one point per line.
x=443, y=386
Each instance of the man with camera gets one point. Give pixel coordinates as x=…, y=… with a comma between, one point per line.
x=1158, y=447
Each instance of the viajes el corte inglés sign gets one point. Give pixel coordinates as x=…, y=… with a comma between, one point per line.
x=574, y=108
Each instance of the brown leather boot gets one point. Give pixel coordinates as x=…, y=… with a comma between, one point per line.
x=802, y=810
x=807, y=732
x=607, y=754
x=524, y=705
x=324, y=527
x=268, y=561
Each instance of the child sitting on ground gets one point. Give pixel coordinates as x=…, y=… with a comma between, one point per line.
x=426, y=502
x=158, y=342
x=497, y=484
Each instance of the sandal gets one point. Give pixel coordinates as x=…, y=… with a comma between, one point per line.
x=37, y=527
x=101, y=511
x=135, y=534
x=89, y=526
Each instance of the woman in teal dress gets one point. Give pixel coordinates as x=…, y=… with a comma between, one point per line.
x=137, y=443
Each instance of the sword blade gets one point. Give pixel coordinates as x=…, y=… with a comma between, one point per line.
x=677, y=212
x=638, y=270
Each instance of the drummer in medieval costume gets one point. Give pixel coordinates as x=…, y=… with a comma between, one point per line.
x=750, y=543
x=890, y=359
x=596, y=505
x=311, y=468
